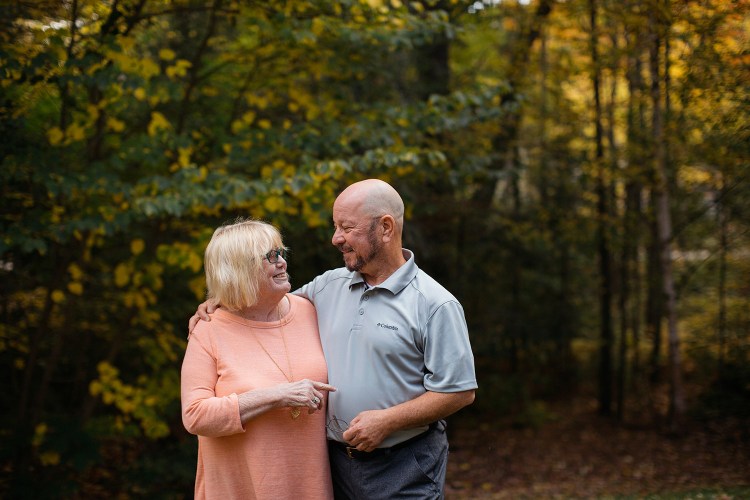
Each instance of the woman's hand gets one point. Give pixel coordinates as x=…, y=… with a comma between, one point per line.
x=304, y=393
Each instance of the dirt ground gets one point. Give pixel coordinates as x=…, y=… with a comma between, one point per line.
x=578, y=454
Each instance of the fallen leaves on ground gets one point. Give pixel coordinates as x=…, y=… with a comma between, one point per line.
x=579, y=454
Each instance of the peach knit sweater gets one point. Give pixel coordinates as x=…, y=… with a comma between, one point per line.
x=273, y=456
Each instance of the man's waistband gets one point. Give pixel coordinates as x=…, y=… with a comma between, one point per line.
x=354, y=453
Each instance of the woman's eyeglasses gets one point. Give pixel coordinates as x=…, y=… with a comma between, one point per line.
x=337, y=427
x=273, y=255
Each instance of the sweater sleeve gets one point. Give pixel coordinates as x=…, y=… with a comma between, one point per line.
x=203, y=413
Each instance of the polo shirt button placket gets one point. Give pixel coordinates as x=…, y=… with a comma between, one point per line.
x=361, y=312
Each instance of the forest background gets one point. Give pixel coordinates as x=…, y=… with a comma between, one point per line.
x=574, y=171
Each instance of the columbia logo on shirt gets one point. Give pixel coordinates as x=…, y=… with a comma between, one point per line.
x=389, y=327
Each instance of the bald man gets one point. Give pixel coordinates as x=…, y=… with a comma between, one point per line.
x=397, y=349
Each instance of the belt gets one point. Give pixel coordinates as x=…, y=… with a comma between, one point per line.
x=354, y=453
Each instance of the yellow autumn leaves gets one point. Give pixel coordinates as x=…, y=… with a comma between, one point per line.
x=123, y=274
x=77, y=131
x=133, y=401
x=158, y=123
x=129, y=62
x=74, y=286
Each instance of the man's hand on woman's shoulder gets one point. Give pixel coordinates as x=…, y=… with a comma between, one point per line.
x=204, y=309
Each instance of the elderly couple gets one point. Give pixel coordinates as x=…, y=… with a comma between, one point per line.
x=338, y=390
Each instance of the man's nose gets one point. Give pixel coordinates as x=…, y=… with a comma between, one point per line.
x=337, y=239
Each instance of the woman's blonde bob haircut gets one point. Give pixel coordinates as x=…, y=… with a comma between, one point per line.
x=234, y=262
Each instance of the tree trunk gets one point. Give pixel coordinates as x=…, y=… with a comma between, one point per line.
x=664, y=228
x=654, y=303
x=630, y=272
x=66, y=101
x=505, y=139
x=605, y=287
x=516, y=329
x=721, y=326
x=638, y=173
x=196, y=67
x=621, y=271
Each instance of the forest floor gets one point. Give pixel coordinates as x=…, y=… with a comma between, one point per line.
x=575, y=453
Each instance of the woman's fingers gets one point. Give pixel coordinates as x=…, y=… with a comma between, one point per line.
x=308, y=393
x=323, y=387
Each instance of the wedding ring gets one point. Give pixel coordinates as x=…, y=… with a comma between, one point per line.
x=315, y=400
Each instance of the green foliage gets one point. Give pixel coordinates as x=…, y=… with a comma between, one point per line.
x=134, y=128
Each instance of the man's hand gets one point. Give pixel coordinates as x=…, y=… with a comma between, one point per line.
x=206, y=308
x=368, y=429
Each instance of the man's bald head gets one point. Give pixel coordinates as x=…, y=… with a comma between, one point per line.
x=374, y=198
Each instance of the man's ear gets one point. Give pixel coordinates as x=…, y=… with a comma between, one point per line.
x=389, y=227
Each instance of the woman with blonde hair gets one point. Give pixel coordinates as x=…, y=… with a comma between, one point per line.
x=254, y=379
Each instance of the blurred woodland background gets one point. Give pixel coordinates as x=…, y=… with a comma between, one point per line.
x=575, y=172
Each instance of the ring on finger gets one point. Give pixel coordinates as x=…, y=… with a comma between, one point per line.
x=316, y=400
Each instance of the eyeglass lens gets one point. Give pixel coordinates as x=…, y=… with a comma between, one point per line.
x=337, y=426
x=273, y=255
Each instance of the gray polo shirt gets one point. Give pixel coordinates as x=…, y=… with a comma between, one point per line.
x=389, y=343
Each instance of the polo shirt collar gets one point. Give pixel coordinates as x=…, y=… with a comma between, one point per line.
x=396, y=281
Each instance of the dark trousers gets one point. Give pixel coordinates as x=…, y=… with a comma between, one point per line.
x=412, y=470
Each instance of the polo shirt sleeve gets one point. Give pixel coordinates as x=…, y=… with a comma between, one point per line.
x=449, y=362
x=314, y=290
x=309, y=291
x=305, y=291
